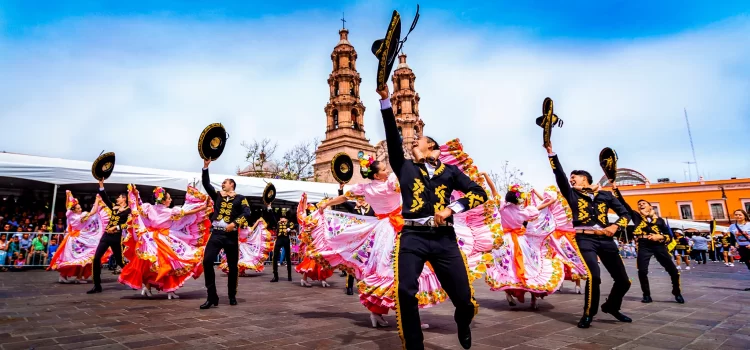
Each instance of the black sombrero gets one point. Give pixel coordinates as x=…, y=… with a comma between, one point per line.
x=212, y=141
x=387, y=49
x=269, y=193
x=103, y=166
x=548, y=120
x=342, y=167
x=608, y=161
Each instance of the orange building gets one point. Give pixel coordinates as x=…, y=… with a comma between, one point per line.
x=697, y=201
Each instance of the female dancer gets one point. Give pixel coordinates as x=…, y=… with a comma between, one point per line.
x=309, y=266
x=75, y=255
x=524, y=263
x=255, y=244
x=365, y=245
x=167, y=242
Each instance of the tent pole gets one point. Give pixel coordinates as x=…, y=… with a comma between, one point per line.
x=52, y=214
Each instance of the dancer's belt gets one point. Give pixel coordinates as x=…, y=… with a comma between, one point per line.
x=430, y=222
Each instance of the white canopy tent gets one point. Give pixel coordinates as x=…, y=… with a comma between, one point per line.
x=59, y=171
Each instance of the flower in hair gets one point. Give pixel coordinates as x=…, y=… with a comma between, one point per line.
x=364, y=163
x=159, y=194
x=518, y=190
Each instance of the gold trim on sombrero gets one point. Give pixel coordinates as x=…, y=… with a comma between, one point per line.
x=103, y=166
x=215, y=142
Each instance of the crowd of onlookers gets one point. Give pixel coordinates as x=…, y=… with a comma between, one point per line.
x=695, y=246
x=26, y=236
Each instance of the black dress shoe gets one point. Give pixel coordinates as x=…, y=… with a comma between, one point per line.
x=349, y=291
x=747, y=289
x=647, y=299
x=678, y=298
x=232, y=301
x=343, y=274
x=275, y=278
x=617, y=314
x=208, y=304
x=94, y=290
x=464, y=337
x=585, y=322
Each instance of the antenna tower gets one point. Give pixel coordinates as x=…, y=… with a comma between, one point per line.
x=692, y=147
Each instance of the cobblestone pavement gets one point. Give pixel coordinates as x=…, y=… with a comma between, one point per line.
x=38, y=313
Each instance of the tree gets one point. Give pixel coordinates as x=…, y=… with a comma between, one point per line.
x=507, y=176
x=298, y=161
x=296, y=164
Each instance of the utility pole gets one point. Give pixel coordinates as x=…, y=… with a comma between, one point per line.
x=690, y=175
x=692, y=147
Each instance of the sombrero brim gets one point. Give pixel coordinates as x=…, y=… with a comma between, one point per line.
x=269, y=193
x=608, y=162
x=386, y=49
x=342, y=167
x=212, y=141
x=103, y=166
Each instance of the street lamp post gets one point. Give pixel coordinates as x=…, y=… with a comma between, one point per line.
x=726, y=204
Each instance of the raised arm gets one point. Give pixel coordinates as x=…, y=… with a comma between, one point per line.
x=625, y=204
x=105, y=197
x=560, y=177
x=619, y=209
x=392, y=137
x=491, y=184
x=206, y=180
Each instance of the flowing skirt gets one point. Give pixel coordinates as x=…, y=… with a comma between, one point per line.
x=364, y=246
x=255, y=245
x=313, y=270
x=75, y=255
x=525, y=262
x=165, y=258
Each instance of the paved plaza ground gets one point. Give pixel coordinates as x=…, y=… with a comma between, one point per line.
x=38, y=313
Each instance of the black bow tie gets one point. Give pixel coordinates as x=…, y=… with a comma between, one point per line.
x=429, y=160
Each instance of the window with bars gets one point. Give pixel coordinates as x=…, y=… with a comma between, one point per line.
x=686, y=212
x=747, y=207
x=717, y=211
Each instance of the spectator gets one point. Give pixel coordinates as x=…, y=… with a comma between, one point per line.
x=38, y=253
x=682, y=249
x=19, y=232
x=59, y=226
x=51, y=249
x=6, y=228
x=18, y=264
x=3, y=251
x=13, y=250
x=700, y=247
x=25, y=244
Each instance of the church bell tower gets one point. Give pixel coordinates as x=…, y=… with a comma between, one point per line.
x=344, y=113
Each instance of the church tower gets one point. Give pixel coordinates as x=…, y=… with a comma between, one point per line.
x=405, y=102
x=344, y=113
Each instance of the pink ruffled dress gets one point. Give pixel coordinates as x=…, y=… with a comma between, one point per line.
x=364, y=246
x=168, y=245
x=255, y=244
x=563, y=237
x=75, y=254
x=525, y=262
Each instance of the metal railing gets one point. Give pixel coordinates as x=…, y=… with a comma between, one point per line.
x=33, y=258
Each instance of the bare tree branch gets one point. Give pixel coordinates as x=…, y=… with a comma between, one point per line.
x=298, y=161
x=296, y=164
x=507, y=176
x=260, y=158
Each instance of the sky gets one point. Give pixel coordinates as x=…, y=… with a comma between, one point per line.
x=143, y=79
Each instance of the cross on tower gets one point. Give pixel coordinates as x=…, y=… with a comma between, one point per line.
x=343, y=21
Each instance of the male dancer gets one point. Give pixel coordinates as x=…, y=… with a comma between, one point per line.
x=428, y=234
x=112, y=237
x=594, y=237
x=231, y=211
x=361, y=208
x=652, y=235
x=283, y=228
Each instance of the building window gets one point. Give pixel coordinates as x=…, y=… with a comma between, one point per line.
x=335, y=119
x=686, y=211
x=717, y=211
x=400, y=134
x=398, y=108
x=355, y=120
x=656, y=209
x=351, y=88
x=746, y=205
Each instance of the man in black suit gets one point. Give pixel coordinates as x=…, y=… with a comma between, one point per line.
x=231, y=212
x=594, y=237
x=428, y=234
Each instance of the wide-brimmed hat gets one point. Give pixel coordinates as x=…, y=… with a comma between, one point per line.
x=342, y=167
x=212, y=141
x=608, y=162
x=548, y=120
x=103, y=166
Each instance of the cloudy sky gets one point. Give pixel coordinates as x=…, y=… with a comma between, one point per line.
x=143, y=80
